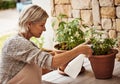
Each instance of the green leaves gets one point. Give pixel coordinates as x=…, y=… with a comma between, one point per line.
x=70, y=33
x=100, y=45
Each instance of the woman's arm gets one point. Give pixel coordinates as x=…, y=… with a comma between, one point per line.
x=65, y=57
x=53, y=52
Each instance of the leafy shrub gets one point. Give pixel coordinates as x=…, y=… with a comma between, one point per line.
x=100, y=45
x=69, y=33
x=6, y=4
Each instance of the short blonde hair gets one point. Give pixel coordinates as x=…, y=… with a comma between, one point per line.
x=33, y=13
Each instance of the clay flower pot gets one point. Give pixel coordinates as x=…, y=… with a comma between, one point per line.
x=103, y=65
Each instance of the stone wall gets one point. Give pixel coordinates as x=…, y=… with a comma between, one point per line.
x=103, y=14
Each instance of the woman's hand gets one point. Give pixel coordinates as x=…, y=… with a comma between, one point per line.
x=84, y=49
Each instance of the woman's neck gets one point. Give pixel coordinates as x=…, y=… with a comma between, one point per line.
x=26, y=35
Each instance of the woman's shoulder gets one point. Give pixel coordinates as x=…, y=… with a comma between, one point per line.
x=16, y=39
x=17, y=42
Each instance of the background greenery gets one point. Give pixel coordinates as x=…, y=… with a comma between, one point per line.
x=38, y=41
x=6, y=4
x=2, y=40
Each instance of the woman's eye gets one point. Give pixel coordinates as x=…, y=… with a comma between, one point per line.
x=41, y=25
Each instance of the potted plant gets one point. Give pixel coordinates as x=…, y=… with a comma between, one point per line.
x=69, y=34
x=103, y=58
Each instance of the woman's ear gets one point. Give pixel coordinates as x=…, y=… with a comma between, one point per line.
x=28, y=24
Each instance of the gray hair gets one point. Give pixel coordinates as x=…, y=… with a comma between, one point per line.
x=33, y=13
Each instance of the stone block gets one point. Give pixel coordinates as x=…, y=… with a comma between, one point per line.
x=118, y=24
x=108, y=12
x=106, y=2
x=62, y=1
x=117, y=2
x=112, y=34
x=81, y=4
x=106, y=23
x=63, y=9
x=86, y=16
x=96, y=12
x=76, y=13
x=118, y=12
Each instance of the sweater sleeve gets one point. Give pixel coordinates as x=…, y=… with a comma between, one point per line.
x=20, y=49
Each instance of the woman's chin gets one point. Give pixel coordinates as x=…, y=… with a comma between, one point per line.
x=37, y=36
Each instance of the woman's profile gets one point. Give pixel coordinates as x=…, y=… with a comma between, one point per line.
x=22, y=61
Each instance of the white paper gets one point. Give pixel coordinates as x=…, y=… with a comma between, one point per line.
x=74, y=67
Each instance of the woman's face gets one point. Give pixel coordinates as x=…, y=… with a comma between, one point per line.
x=36, y=28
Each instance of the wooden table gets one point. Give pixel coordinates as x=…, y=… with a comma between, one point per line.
x=85, y=78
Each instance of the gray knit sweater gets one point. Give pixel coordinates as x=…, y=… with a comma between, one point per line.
x=16, y=53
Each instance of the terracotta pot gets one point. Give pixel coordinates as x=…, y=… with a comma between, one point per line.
x=103, y=65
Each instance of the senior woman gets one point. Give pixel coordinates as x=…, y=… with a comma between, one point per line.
x=22, y=60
